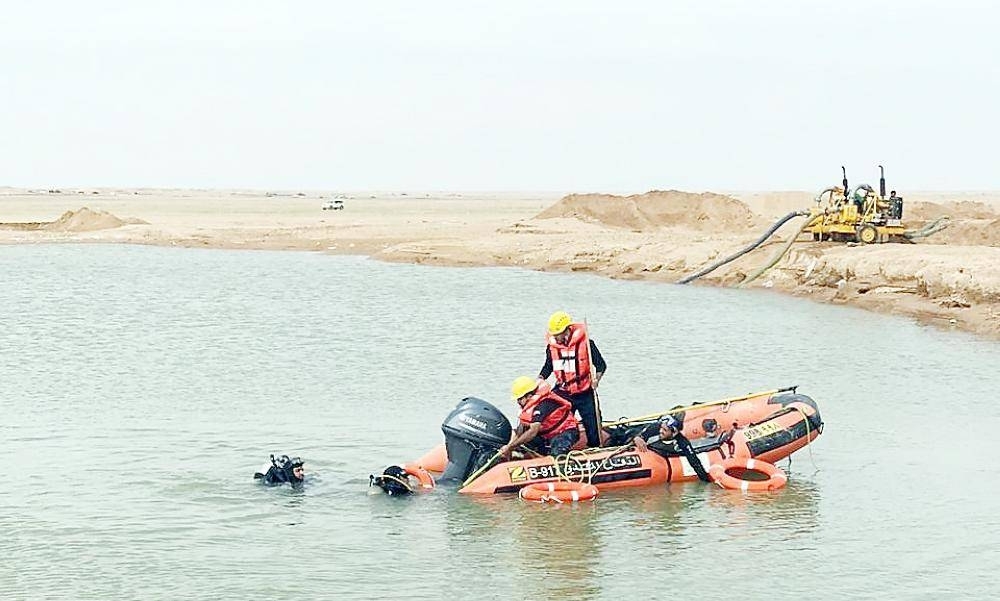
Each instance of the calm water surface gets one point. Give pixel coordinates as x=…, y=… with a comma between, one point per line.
x=140, y=388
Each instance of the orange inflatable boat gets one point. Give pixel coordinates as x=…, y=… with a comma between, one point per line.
x=767, y=426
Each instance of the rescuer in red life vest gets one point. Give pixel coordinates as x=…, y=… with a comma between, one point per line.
x=546, y=420
x=569, y=355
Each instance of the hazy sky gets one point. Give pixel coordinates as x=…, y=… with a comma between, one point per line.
x=562, y=96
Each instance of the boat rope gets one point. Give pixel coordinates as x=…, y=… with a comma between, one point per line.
x=529, y=451
x=693, y=406
x=808, y=445
x=593, y=378
x=476, y=474
x=600, y=467
x=586, y=476
x=562, y=462
x=489, y=463
x=562, y=469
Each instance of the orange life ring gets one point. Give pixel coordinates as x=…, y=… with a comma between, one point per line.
x=719, y=472
x=560, y=492
x=425, y=478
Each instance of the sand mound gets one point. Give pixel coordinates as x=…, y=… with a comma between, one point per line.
x=655, y=209
x=971, y=223
x=772, y=205
x=966, y=209
x=971, y=232
x=86, y=220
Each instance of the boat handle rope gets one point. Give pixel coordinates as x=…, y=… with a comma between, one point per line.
x=699, y=405
x=489, y=463
x=809, y=446
x=562, y=461
x=562, y=470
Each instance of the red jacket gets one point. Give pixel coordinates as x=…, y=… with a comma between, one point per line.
x=557, y=421
x=571, y=361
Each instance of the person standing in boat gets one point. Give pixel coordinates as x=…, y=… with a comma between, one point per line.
x=546, y=420
x=665, y=438
x=578, y=366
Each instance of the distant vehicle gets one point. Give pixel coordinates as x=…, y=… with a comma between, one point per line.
x=334, y=204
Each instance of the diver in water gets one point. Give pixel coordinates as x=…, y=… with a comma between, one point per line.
x=394, y=481
x=667, y=440
x=281, y=471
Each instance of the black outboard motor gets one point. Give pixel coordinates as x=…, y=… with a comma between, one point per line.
x=473, y=432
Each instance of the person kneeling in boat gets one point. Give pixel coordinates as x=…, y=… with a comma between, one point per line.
x=283, y=470
x=546, y=420
x=665, y=438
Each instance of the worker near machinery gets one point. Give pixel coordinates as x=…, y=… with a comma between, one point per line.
x=665, y=438
x=546, y=421
x=578, y=366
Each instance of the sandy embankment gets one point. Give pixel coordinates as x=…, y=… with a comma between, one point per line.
x=951, y=278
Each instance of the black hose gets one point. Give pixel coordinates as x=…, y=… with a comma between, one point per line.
x=739, y=254
x=774, y=260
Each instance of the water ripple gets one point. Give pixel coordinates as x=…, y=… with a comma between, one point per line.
x=143, y=386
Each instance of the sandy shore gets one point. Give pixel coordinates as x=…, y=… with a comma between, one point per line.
x=951, y=279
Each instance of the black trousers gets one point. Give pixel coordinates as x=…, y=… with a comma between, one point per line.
x=583, y=403
x=559, y=445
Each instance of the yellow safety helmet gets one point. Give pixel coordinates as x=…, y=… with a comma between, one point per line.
x=558, y=322
x=522, y=385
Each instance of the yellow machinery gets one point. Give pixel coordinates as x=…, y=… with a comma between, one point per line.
x=860, y=215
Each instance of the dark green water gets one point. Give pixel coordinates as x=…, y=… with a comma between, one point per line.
x=140, y=388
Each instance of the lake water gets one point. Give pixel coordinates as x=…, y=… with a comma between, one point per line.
x=141, y=387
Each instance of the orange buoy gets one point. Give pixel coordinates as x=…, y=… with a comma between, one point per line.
x=560, y=492
x=425, y=478
x=719, y=472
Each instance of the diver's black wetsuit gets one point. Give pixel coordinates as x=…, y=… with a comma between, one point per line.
x=275, y=476
x=280, y=472
x=678, y=445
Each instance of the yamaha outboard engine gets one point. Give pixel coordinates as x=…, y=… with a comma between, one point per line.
x=473, y=432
